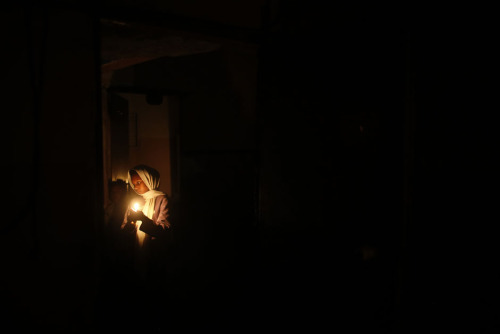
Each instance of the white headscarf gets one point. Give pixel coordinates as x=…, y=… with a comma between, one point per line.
x=151, y=177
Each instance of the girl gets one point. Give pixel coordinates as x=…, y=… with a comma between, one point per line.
x=151, y=227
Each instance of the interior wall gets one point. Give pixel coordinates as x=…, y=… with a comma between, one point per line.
x=149, y=142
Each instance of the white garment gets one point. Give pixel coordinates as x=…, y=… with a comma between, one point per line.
x=151, y=178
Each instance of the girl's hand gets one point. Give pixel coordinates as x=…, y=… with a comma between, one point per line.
x=129, y=227
x=136, y=215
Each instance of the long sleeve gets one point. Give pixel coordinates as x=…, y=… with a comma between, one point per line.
x=159, y=226
x=162, y=214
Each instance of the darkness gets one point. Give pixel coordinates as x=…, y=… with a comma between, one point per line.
x=361, y=196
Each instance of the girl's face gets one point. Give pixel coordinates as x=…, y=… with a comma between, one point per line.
x=139, y=186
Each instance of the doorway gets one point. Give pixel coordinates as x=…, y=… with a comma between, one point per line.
x=142, y=130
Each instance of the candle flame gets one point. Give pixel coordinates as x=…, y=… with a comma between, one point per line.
x=135, y=207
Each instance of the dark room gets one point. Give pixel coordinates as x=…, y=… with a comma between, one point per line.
x=248, y=166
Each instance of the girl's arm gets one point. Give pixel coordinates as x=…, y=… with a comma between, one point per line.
x=161, y=225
